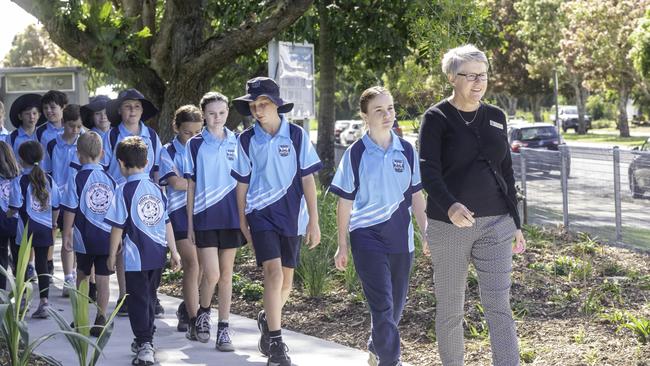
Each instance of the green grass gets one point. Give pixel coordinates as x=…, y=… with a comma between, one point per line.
x=605, y=138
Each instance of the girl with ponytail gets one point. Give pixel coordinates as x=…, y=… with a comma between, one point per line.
x=35, y=196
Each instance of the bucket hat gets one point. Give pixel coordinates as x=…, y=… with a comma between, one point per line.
x=23, y=102
x=113, y=106
x=95, y=104
x=261, y=87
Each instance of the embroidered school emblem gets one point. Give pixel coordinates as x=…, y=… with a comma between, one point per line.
x=150, y=209
x=284, y=150
x=230, y=154
x=398, y=165
x=98, y=197
x=36, y=205
x=5, y=190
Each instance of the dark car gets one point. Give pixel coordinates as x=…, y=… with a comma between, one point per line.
x=639, y=170
x=545, y=141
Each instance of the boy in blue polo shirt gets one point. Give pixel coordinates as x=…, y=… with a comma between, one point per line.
x=127, y=114
x=61, y=160
x=138, y=215
x=378, y=180
x=94, y=115
x=85, y=201
x=52, y=105
x=274, y=168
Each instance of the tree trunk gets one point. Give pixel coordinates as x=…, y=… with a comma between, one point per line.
x=508, y=102
x=623, y=95
x=581, y=96
x=536, y=105
x=326, y=85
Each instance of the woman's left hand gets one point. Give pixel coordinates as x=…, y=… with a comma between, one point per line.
x=520, y=242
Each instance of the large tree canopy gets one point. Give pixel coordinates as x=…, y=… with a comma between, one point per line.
x=171, y=50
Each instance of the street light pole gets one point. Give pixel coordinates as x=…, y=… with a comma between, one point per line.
x=555, y=95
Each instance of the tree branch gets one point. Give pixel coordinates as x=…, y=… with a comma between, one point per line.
x=221, y=49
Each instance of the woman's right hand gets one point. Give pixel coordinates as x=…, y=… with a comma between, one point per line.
x=460, y=215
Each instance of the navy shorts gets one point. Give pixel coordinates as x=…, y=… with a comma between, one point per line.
x=222, y=238
x=270, y=245
x=85, y=263
x=180, y=235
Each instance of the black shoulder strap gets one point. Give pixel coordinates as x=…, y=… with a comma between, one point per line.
x=112, y=137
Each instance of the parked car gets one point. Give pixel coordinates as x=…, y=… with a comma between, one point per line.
x=639, y=170
x=352, y=133
x=541, y=136
x=568, y=115
x=340, y=126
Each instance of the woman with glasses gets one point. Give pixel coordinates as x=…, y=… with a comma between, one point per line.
x=471, y=207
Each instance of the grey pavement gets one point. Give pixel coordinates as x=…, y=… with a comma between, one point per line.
x=172, y=348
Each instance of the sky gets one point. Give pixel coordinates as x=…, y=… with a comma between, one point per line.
x=13, y=20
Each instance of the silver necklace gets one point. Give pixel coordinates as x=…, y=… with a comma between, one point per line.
x=467, y=123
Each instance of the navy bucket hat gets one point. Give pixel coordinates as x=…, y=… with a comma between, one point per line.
x=96, y=104
x=261, y=87
x=113, y=106
x=23, y=102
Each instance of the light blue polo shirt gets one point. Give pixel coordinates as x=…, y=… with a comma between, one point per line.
x=140, y=209
x=30, y=210
x=47, y=132
x=4, y=131
x=171, y=164
x=7, y=224
x=208, y=163
x=17, y=137
x=381, y=183
x=100, y=132
x=119, y=133
x=88, y=195
x=273, y=166
x=61, y=159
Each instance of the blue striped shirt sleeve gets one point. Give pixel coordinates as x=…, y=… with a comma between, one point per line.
x=343, y=184
x=309, y=160
x=117, y=214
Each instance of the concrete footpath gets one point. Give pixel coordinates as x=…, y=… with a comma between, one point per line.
x=172, y=348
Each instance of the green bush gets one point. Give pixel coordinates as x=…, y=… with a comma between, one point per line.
x=600, y=108
x=640, y=327
x=252, y=291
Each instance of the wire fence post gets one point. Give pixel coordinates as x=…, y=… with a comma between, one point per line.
x=564, y=180
x=616, y=155
x=522, y=166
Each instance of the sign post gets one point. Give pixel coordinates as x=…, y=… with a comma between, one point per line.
x=291, y=65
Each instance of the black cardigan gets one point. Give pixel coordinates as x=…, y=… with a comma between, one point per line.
x=455, y=168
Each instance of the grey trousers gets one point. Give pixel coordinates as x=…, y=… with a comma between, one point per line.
x=488, y=245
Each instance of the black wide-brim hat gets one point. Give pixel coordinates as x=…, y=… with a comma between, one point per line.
x=23, y=102
x=261, y=87
x=113, y=106
x=95, y=104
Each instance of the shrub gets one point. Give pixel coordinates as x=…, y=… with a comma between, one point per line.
x=640, y=327
x=252, y=291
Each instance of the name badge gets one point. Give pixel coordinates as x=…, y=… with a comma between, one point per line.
x=496, y=124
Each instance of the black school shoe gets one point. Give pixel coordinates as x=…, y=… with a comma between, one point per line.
x=98, y=327
x=183, y=318
x=264, y=343
x=124, y=310
x=278, y=354
x=160, y=311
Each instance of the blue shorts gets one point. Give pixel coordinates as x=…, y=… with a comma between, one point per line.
x=85, y=263
x=270, y=245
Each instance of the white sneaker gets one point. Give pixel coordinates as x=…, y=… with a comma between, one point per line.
x=145, y=355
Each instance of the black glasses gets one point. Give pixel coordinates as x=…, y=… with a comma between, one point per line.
x=473, y=77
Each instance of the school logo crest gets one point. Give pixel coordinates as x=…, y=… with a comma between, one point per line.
x=284, y=150
x=230, y=154
x=150, y=209
x=98, y=197
x=398, y=165
x=5, y=190
x=36, y=205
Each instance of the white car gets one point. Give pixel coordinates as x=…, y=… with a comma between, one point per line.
x=352, y=133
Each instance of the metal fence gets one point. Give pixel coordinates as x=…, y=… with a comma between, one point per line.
x=588, y=190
